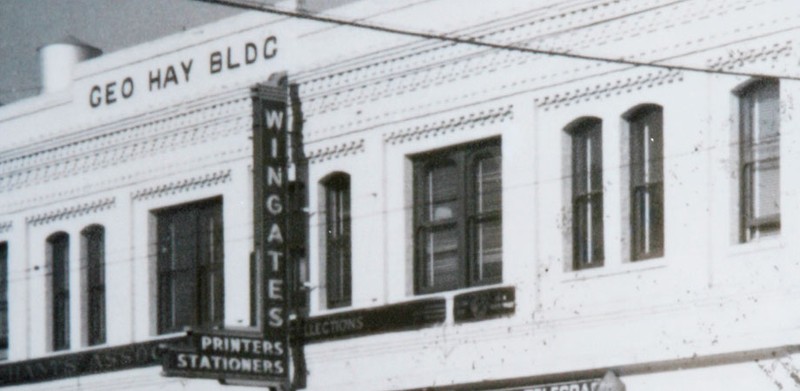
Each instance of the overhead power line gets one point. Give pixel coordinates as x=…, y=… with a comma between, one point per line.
x=259, y=6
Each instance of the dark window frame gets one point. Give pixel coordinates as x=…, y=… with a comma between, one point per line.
x=752, y=161
x=58, y=261
x=646, y=190
x=190, y=265
x=338, y=240
x=465, y=220
x=93, y=238
x=588, y=247
x=4, y=330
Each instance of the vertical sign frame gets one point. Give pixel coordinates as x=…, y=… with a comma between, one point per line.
x=270, y=176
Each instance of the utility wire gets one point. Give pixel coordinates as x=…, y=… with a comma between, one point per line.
x=257, y=6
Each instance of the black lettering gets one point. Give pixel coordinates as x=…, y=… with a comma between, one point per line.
x=95, y=97
x=110, y=98
x=215, y=62
x=155, y=79
x=127, y=87
x=186, y=69
x=250, y=53
x=170, y=76
x=270, y=47
x=231, y=65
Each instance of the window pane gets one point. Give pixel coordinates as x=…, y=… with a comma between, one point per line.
x=442, y=192
x=440, y=262
x=646, y=147
x=648, y=224
x=589, y=231
x=488, y=187
x=766, y=189
x=489, y=240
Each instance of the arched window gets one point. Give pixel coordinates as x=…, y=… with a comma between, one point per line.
x=759, y=160
x=338, y=262
x=646, y=182
x=58, y=262
x=93, y=244
x=587, y=193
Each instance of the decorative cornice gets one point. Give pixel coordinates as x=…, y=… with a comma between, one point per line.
x=423, y=67
x=480, y=118
x=118, y=146
x=604, y=90
x=740, y=57
x=336, y=151
x=72, y=211
x=183, y=185
x=6, y=226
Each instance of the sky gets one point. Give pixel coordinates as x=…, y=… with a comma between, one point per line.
x=110, y=25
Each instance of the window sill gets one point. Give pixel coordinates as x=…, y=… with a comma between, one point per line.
x=614, y=270
x=772, y=242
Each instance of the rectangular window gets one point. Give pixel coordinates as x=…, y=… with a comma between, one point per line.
x=760, y=159
x=457, y=217
x=94, y=242
x=190, y=259
x=58, y=251
x=3, y=301
x=337, y=240
x=587, y=194
x=646, y=187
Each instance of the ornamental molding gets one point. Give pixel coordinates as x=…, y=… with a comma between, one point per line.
x=111, y=147
x=183, y=185
x=605, y=90
x=424, y=66
x=336, y=151
x=737, y=58
x=454, y=124
x=6, y=226
x=73, y=211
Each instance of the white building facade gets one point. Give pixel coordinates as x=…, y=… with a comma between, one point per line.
x=485, y=215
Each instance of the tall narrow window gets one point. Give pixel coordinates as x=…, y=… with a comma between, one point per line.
x=95, y=288
x=457, y=217
x=58, y=254
x=646, y=184
x=3, y=300
x=337, y=240
x=190, y=259
x=759, y=118
x=587, y=194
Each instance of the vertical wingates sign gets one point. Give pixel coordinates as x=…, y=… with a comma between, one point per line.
x=270, y=176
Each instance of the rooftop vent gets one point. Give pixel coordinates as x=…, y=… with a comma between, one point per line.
x=57, y=61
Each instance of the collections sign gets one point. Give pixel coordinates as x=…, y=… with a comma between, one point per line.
x=396, y=317
x=81, y=364
x=584, y=385
x=226, y=355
